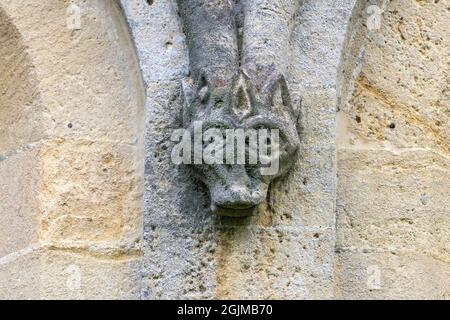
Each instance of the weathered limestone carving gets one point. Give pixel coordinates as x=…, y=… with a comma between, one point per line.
x=237, y=81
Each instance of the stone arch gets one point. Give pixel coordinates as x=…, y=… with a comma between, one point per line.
x=71, y=111
x=393, y=154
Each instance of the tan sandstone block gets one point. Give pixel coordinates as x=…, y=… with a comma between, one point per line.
x=306, y=198
x=401, y=95
x=389, y=276
x=22, y=118
x=91, y=192
x=89, y=80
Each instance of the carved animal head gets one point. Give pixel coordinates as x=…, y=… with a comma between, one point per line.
x=237, y=189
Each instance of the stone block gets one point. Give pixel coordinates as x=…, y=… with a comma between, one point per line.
x=394, y=202
x=91, y=193
x=385, y=275
x=69, y=275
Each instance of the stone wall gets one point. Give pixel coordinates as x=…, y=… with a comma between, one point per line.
x=71, y=122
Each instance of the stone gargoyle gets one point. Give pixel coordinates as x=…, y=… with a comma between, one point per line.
x=237, y=80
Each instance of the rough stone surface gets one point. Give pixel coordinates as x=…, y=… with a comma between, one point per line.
x=79, y=276
x=384, y=275
x=101, y=202
x=19, y=206
x=393, y=159
x=92, y=207
x=71, y=123
x=19, y=97
x=20, y=275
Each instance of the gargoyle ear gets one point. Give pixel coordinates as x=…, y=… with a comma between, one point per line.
x=277, y=97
